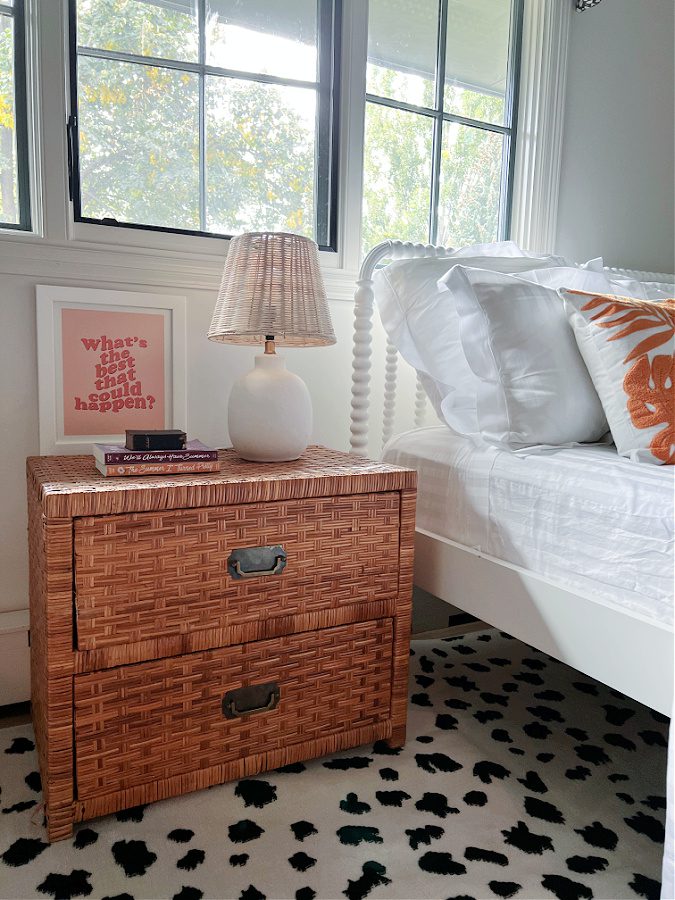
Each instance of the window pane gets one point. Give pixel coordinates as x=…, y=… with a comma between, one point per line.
x=9, y=193
x=471, y=169
x=259, y=157
x=402, y=50
x=476, y=58
x=161, y=28
x=139, y=143
x=278, y=38
x=397, y=175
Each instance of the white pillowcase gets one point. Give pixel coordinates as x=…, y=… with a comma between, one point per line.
x=573, y=278
x=533, y=386
x=421, y=321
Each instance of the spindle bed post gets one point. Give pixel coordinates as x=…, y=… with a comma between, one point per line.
x=363, y=326
x=362, y=353
x=420, y=403
x=389, y=408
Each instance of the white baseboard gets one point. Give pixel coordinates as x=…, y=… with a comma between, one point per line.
x=14, y=657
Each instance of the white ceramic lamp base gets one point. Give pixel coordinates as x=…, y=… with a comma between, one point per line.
x=269, y=415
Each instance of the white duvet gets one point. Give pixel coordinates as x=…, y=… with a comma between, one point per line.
x=581, y=516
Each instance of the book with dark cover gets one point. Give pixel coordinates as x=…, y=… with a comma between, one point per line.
x=155, y=439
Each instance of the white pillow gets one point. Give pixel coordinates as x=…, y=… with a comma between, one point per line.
x=502, y=249
x=421, y=321
x=495, y=248
x=533, y=386
x=584, y=279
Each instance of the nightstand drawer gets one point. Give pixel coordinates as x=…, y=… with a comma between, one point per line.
x=156, y=720
x=149, y=575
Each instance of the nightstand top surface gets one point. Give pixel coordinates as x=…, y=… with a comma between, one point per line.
x=71, y=486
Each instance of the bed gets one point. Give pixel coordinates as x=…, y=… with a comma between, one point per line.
x=560, y=525
x=568, y=549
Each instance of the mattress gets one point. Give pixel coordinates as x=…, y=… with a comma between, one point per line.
x=581, y=516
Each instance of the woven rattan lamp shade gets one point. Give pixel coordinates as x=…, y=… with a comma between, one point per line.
x=272, y=285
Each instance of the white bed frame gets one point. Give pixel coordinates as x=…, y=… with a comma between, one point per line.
x=623, y=649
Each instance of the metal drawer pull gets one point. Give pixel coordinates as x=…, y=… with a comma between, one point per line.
x=252, y=562
x=252, y=699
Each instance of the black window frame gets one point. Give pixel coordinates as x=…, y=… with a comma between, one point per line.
x=327, y=140
x=440, y=117
x=18, y=13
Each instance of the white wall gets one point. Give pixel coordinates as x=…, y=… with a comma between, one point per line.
x=617, y=190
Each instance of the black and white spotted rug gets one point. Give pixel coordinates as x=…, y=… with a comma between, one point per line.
x=520, y=778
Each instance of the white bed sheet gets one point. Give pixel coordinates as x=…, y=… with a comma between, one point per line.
x=581, y=516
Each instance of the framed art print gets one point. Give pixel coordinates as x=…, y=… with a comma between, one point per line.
x=107, y=361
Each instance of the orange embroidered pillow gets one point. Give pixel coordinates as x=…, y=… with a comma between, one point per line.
x=629, y=349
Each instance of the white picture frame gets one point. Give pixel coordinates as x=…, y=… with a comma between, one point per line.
x=51, y=300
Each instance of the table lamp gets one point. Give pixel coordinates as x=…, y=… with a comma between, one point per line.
x=271, y=293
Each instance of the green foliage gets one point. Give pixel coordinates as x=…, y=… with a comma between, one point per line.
x=139, y=142
x=396, y=175
x=6, y=73
x=471, y=169
x=8, y=171
x=133, y=26
x=259, y=159
x=139, y=133
x=397, y=170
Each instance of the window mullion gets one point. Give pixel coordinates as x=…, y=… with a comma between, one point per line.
x=323, y=154
x=400, y=104
x=201, y=25
x=202, y=152
x=22, y=217
x=21, y=102
x=180, y=65
x=438, y=123
x=476, y=123
x=512, y=90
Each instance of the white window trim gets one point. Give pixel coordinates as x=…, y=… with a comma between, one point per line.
x=59, y=245
x=33, y=119
x=541, y=111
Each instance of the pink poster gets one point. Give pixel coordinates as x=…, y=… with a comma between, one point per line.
x=113, y=371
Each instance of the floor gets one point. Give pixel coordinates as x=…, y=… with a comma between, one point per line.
x=14, y=714
x=519, y=778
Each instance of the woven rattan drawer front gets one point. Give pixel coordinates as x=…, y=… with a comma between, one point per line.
x=149, y=721
x=148, y=575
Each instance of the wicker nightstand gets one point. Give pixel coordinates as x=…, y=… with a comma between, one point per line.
x=191, y=630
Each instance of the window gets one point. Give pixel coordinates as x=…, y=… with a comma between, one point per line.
x=14, y=181
x=440, y=119
x=206, y=116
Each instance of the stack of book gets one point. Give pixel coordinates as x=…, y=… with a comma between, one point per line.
x=115, y=459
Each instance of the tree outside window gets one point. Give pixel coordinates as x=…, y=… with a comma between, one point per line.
x=14, y=194
x=204, y=116
x=439, y=120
